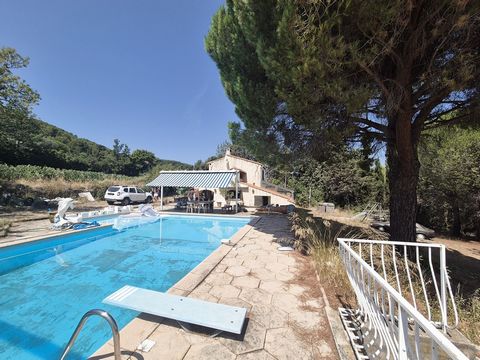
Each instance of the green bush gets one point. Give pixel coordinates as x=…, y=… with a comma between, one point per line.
x=4, y=227
x=33, y=172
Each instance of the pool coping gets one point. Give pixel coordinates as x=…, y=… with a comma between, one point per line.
x=191, y=280
x=55, y=233
x=58, y=233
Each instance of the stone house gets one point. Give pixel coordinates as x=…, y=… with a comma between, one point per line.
x=254, y=190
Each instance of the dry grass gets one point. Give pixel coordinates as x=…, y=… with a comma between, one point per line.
x=468, y=307
x=469, y=314
x=317, y=237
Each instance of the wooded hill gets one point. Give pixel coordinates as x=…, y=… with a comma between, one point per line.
x=25, y=140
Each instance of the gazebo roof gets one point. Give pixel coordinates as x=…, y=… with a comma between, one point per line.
x=199, y=179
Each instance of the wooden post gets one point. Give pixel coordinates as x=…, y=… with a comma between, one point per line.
x=161, y=198
x=236, y=192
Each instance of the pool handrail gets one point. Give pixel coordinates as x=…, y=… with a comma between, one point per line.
x=113, y=325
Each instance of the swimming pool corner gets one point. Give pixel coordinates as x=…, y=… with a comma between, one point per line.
x=143, y=325
x=191, y=280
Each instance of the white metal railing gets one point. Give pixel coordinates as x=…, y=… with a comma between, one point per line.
x=398, y=315
x=277, y=188
x=432, y=291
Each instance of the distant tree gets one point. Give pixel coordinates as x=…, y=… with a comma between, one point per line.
x=367, y=161
x=120, y=149
x=16, y=133
x=235, y=149
x=200, y=165
x=389, y=69
x=339, y=179
x=379, y=192
x=258, y=145
x=234, y=132
x=306, y=181
x=123, y=163
x=16, y=101
x=15, y=93
x=343, y=180
x=143, y=160
x=222, y=149
x=449, y=186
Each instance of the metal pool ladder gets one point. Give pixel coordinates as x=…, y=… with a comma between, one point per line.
x=113, y=325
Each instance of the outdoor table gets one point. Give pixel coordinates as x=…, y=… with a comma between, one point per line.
x=227, y=208
x=199, y=206
x=191, y=206
x=205, y=205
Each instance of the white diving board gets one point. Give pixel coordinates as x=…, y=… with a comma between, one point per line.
x=193, y=311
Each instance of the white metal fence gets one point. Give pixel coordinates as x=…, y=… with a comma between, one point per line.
x=398, y=315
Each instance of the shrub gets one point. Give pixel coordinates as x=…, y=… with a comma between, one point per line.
x=33, y=172
x=26, y=182
x=4, y=227
x=317, y=237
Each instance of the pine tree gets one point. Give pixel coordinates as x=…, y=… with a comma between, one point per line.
x=391, y=69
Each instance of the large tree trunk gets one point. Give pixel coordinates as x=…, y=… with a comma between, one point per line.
x=456, y=225
x=478, y=218
x=403, y=170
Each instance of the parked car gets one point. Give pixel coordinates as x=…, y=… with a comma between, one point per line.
x=127, y=195
x=422, y=231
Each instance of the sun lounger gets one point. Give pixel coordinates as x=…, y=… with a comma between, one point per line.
x=188, y=310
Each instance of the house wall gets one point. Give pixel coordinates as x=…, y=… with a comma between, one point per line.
x=253, y=170
x=219, y=199
x=250, y=197
x=274, y=199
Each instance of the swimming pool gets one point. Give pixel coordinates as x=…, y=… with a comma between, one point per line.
x=46, y=286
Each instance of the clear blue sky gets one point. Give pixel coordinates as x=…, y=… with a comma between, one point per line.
x=133, y=70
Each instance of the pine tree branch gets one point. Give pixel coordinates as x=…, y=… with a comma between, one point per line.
x=452, y=121
x=376, y=78
x=377, y=126
x=434, y=117
x=427, y=108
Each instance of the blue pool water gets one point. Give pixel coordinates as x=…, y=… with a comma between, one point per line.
x=46, y=286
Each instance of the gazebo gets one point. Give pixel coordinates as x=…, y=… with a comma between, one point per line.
x=197, y=179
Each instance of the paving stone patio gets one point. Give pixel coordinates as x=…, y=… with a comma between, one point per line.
x=286, y=318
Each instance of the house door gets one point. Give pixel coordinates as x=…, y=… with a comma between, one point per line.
x=261, y=200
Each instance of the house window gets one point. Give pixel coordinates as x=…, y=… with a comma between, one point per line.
x=231, y=195
x=243, y=176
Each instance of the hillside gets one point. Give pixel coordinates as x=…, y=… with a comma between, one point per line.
x=28, y=141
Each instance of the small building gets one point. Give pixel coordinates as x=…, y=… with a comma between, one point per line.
x=254, y=190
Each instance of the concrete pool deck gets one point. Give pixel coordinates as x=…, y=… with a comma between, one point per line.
x=286, y=316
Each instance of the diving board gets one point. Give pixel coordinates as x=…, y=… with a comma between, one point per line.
x=193, y=311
